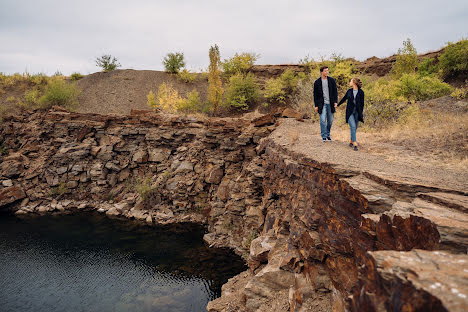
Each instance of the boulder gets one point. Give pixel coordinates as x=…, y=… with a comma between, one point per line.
x=184, y=166
x=140, y=156
x=215, y=176
x=416, y=280
x=265, y=120
x=291, y=113
x=11, y=194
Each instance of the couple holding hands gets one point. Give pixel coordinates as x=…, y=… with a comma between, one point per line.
x=326, y=100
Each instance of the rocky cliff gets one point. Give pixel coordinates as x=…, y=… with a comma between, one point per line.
x=317, y=236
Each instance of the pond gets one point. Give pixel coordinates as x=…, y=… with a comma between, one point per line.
x=88, y=262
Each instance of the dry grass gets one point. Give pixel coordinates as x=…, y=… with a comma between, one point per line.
x=436, y=138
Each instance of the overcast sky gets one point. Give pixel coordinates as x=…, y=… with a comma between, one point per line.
x=50, y=35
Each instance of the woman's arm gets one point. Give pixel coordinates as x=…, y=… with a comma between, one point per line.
x=344, y=98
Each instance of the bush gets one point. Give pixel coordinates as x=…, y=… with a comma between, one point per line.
x=290, y=80
x=151, y=100
x=239, y=63
x=303, y=100
x=274, y=91
x=32, y=97
x=454, y=61
x=415, y=88
x=76, y=76
x=460, y=93
x=191, y=104
x=168, y=98
x=58, y=92
x=382, y=105
x=186, y=76
x=173, y=62
x=107, y=62
x=37, y=79
x=242, y=91
x=406, y=59
x=143, y=187
x=10, y=80
x=343, y=72
x=427, y=67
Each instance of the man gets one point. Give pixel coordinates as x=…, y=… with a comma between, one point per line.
x=325, y=100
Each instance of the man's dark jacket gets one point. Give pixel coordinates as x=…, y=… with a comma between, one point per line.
x=318, y=94
x=350, y=104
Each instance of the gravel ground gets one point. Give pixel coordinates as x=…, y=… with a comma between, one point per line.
x=304, y=138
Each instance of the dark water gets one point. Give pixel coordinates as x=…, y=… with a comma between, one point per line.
x=87, y=262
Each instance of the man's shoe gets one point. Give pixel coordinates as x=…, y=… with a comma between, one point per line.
x=351, y=144
x=328, y=139
x=355, y=147
x=324, y=139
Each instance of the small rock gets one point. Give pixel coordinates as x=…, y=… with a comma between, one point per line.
x=7, y=183
x=149, y=220
x=112, y=212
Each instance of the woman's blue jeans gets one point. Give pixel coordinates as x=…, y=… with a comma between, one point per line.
x=353, y=124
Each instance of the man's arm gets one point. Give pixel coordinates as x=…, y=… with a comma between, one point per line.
x=335, y=90
x=315, y=96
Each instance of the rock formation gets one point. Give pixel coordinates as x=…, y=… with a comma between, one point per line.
x=315, y=237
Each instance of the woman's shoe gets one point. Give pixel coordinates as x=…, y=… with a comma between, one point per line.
x=356, y=148
x=350, y=144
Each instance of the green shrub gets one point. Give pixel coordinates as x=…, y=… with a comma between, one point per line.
x=343, y=71
x=191, y=104
x=274, y=91
x=290, y=80
x=60, y=93
x=107, y=62
x=32, y=97
x=37, y=79
x=173, y=62
x=415, y=88
x=143, y=187
x=242, y=91
x=76, y=76
x=406, y=59
x=186, y=76
x=10, y=80
x=460, y=93
x=239, y=63
x=382, y=105
x=340, y=68
x=60, y=190
x=427, y=67
x=454, y=61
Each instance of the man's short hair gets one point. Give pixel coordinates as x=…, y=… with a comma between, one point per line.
x=322, y=68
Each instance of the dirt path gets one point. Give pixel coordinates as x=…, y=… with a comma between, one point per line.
x=304, y=138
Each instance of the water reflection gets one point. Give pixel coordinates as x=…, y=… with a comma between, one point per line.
x=87, y=262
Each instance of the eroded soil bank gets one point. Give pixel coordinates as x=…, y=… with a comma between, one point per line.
x=318, y=234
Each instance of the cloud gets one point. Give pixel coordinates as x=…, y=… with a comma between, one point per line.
x=55, y=35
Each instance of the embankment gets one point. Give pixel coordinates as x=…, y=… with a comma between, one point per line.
x=317, y=235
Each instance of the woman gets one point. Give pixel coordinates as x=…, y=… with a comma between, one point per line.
x=354, y=108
